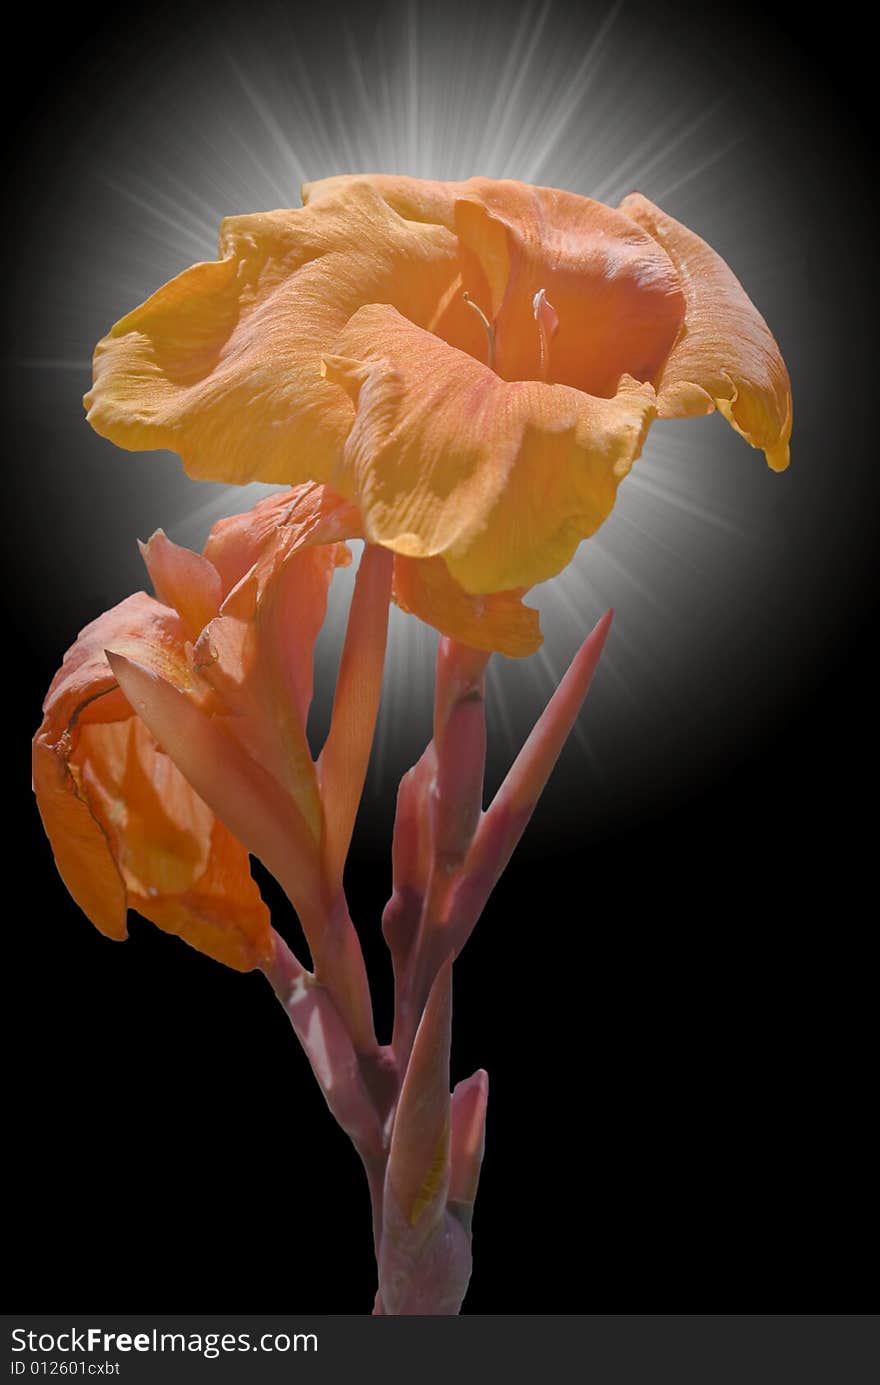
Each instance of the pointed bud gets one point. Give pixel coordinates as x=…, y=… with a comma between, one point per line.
x=468, y=1141
x=411, y=856
x=425, y=1251
x=418, y=1162
x=505, y=821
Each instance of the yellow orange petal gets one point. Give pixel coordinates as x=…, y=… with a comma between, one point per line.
x=500, y=478
x=617, y=297
x=498, y=621
x=415, y=199
x=726, y=356
x=222, y=364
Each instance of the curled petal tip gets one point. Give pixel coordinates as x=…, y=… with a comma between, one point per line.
x=779, y=457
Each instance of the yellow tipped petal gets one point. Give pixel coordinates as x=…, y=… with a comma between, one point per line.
x=222, y=365
x=726, y=356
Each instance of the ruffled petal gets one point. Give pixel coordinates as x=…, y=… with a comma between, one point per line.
x=726, y=356
x=222, y=364
x=498, y=621
x=618, y=299
x=500, y=478
x=423, y=200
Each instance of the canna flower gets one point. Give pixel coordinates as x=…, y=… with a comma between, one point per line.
x=126, y=829
x=174, y=740
x=473, y=365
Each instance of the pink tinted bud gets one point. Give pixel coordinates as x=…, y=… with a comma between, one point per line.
x=468, y=1138
x=411, y=856
x=418, y=1162
x=505, y=821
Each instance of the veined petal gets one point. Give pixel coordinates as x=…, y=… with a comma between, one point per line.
x=222, y=364
x=125, y=827
x=242, y=794
x=497, y=622
x=500, y=478
x=182, y=869
x=726, y=356
x=415, y=199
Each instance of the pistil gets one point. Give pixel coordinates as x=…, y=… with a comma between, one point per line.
x=547, y=319
x=489, y=326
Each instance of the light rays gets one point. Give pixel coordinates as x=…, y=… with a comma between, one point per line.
x=570, y=97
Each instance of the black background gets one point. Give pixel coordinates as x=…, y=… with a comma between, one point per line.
x=678, y=1052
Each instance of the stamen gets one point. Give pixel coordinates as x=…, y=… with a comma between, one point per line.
x=547, y=319
x=489, y=326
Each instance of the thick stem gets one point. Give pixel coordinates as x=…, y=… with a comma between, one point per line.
x=328, y=1045
x=342, y=765
x=339, y=967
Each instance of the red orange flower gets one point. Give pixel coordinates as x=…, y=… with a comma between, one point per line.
x=125, y=826
x=175, y=722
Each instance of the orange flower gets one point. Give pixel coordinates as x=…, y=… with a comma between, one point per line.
x=174, y=740
x=474, y=365
x=125, y=826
